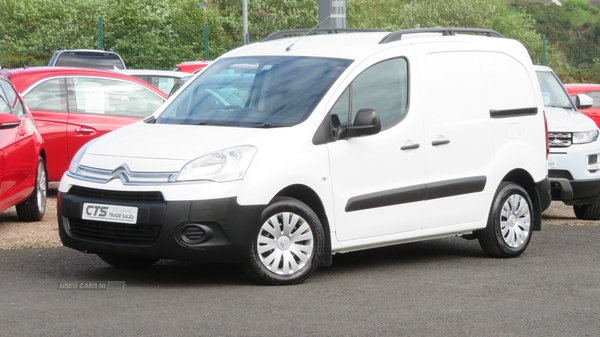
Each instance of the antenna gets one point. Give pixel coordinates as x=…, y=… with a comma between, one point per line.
x=290, y=46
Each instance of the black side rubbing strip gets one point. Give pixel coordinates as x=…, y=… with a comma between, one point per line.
x=513, y=112
x=422, y=192
x=449, y=188
x=396, y=196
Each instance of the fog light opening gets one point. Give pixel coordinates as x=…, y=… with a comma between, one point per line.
x=193, y=234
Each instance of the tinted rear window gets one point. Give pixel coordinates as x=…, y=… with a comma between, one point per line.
x=108, y=61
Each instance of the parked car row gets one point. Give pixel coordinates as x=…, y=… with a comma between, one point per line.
x=48, y=113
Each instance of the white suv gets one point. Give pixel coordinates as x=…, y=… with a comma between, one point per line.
x=336, y=143
x=573, y=165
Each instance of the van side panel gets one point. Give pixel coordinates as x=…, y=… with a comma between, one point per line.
x=458, y=139
x=515, y=111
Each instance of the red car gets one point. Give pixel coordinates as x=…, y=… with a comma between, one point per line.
x=192, y=66
x=22, y=157
x=592, y=90
x=72, y=106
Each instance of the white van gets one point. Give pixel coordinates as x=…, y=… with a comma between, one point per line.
x=336, y=143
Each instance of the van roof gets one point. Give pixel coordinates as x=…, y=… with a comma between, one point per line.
x=349, y=45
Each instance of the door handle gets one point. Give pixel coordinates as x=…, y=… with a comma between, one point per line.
x=410, y=147
x=440, y=142
x=85, y=131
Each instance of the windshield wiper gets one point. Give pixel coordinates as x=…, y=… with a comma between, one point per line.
x=272, y=125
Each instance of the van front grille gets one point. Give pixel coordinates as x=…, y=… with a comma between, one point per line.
x=111, y=232
x=115, y=195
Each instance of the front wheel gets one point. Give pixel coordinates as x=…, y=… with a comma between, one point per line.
x=33, y=209
x=509, y=226
x=288, y=244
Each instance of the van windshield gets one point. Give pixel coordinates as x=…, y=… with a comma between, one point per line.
x=266, y=91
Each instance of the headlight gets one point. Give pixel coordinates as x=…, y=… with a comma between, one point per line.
x=585, y=137
x=77, y=158
x=225, y=165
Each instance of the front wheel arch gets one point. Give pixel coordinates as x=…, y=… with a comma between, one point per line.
x=308, y=196
x=287, y=245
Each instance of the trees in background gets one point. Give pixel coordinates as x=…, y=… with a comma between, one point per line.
x=161, y=33
x=571, y=35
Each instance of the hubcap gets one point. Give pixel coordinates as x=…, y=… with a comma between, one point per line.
x=515, y=221
x=41, y=188
x=285, y=243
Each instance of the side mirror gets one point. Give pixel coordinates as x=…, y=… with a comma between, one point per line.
x=366, y=122
x=583, y=101
x=9, y=121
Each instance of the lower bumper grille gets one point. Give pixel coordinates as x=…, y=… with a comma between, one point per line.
x=560, y=174
x=110, y=232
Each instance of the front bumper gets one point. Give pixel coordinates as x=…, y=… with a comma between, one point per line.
x=574, y=192
x=219, y=230
x=574, y=173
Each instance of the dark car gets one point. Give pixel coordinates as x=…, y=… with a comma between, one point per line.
x=87, y=58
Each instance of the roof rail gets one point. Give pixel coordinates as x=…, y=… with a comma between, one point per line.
x=283, y=33
x=397, y=35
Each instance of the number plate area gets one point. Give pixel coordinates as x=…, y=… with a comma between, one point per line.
x=551, y=163
x=109, y=213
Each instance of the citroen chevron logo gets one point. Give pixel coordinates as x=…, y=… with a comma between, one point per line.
x=122, y=172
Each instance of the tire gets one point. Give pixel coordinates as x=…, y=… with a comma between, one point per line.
x=588, y=211
x=509, y=226
x=33, y=209
x=126, y=261
x=283, y=256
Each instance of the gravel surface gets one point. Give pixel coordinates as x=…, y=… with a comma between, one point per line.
x=22, y=235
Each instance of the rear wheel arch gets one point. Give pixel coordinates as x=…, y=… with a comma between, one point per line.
x=525, y=180
x=509, y=226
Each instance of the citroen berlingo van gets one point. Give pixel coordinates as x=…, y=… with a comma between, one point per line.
x=336, y=143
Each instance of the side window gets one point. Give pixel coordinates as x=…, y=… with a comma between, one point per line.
x=341, y=110
x=12, y=98
x=4, y=107
x=50, y=95
x=165, y=84
x=383, y=87
x=595, y=95
x=112, y=97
